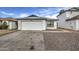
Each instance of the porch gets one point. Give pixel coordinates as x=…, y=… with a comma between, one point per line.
x=51, y=24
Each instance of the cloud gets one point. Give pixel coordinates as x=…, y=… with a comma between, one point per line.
x=49, y=12
x=5, y=13
x=22, y=15
x=52, y=16
x=44, y=12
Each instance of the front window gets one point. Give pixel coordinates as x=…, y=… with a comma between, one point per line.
x=50, y=23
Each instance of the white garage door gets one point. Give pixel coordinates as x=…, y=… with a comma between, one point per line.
x=32, y=25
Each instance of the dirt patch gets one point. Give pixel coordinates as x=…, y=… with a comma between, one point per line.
x=3, y=32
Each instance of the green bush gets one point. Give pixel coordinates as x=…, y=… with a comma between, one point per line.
x=0, y=26
x=4, y=26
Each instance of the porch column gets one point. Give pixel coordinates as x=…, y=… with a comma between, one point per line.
x=55, y=24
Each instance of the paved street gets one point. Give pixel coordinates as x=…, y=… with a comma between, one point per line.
x=22, y=41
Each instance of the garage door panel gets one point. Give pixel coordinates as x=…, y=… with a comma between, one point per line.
x=31, y=25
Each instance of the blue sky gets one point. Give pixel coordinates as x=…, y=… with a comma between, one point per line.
x=16, y=12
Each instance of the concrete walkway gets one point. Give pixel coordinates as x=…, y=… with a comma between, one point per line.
x=22, y=41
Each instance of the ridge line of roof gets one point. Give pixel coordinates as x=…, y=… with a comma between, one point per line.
x=63, y=11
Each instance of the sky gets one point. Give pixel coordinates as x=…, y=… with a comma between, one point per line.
x=20, y=12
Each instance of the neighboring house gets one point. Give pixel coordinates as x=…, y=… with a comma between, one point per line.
x=74, y=22
x=68, y=19
x=11, y=22
x=34, y=22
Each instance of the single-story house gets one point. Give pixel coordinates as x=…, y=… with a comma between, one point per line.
x=34, y=22
x=31, y=22
x=11, y=22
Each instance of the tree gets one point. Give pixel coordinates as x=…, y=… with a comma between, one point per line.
x=4, y=26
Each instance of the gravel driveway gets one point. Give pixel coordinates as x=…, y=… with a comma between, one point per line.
x=61, y=41
x=22, y=41
x=40, y=41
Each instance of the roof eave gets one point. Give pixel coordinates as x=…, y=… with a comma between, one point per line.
x=66, y=11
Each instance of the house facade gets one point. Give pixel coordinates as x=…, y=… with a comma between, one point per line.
x=31, y=22
x=66, y=19
x=34, y=22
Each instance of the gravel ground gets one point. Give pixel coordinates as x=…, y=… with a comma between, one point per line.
x=61, y=41
x=22, y=41
x=40, y=41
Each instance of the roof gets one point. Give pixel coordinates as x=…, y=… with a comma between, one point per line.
x=52, y=19
x=73, y=18
x=71, y=9
x=31, y=17
x=34, y=17
x=7, y=19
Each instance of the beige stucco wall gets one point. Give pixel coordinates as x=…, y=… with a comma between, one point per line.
x=44, y=24
x=19, y=24
x=12, y=25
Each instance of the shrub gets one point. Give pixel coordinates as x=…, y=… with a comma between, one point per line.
x=0, y=27
x=4, y=26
